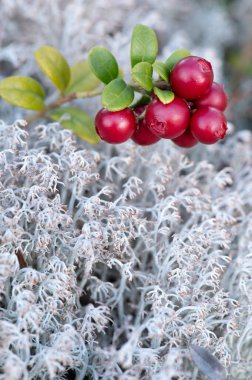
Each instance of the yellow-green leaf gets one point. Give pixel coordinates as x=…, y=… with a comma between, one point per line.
x=142, y=74
x=82, y=79
x=54, y=65
x=164, y=96
x=117, y=95
x=103, y=64
x=77, y=121
x=23, y=92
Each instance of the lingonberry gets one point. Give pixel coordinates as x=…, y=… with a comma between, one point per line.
x=167, y=120
x=142, y=135
x=115, y=127
x=208, y=125
x=191, y=77
x=215, y=97
x=186, y=140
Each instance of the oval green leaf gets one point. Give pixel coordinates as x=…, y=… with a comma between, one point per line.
x=162, y=70
x=23, y=92
x=82, y=79
x=142, y=74
x=54, y=65
x=77, y=121
x=103, y=64
x=144, y=45
x=175, y=57
x=164, y=96
x=117, y=95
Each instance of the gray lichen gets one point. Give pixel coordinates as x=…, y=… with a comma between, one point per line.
x=132, y=254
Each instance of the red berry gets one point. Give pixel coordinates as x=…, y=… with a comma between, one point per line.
x=167, y=120
x=215, y=97
x=208, y=125
x=186, y=140
x=115, y=127
x=191, y=77
x=142, y=135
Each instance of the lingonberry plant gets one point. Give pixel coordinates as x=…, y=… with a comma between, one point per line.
x=184, y=84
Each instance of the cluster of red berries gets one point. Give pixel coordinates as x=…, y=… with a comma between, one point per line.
x=194, y=115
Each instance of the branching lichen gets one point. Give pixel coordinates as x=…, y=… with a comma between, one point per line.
x=124, y=266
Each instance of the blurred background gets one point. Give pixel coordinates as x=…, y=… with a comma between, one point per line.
x=220, y=31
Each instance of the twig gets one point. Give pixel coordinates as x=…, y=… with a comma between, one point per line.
x=81, y=95
x=60, y=101
x=21, y=260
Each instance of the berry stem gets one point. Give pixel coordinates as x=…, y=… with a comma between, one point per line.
x=141, y=116
x=162, y=85
x=136, y=87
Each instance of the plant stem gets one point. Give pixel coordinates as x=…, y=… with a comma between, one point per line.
x=62, y=100
x=162, y=85
x=81, y=95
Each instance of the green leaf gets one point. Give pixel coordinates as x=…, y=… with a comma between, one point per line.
x=142, y=74
x=103, y=64
x=164, y=96
x=121, y=73
x=144, y=45
x=54, y=65
x=117, y=95
x=176, y=57
x=77, y=121
x=23, y=92
x=82, y=79
x=162, y=70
